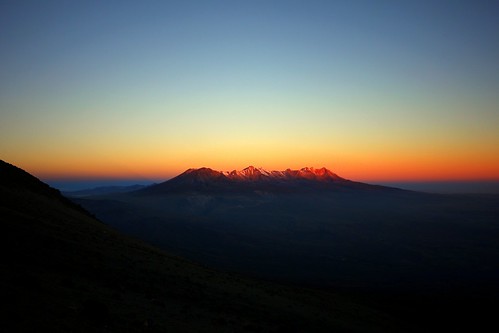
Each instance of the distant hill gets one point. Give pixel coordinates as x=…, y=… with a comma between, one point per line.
x=65, y=271
x=103, y=190
x=253, y=179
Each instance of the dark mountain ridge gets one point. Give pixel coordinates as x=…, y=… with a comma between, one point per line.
x=20, y=181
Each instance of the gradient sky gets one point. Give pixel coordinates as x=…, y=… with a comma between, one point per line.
x=373, y=90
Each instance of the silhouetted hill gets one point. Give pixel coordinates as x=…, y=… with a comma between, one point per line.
x=19, y=181
x=64, y=271
x=253, y=179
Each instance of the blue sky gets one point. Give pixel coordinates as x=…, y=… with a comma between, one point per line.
x=373, y=90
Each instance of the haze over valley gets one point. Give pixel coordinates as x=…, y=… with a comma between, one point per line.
x=312, y=226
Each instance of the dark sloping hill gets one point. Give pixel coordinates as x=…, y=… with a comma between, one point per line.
x=19, y=182
x=64, y=271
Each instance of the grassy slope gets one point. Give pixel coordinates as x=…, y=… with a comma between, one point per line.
x=64, y=271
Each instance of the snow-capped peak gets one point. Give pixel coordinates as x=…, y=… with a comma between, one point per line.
x=253, y=173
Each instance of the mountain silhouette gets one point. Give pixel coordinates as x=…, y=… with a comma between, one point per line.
x=258, y=179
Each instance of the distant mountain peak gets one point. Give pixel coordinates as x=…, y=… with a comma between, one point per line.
x=202, y=170
x=201, y=175
x=249, y=173
x=320, y=173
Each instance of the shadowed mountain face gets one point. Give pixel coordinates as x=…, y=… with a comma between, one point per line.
x=64, y=271
x=257, y=179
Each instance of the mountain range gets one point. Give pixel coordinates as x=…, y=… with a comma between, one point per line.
x=259, y=174
x=257, y=179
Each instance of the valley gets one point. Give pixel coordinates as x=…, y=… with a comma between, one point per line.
x=415, y=249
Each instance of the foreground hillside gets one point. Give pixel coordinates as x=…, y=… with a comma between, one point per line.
x=64, y=271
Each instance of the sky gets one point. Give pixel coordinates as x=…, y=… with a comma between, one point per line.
x=373, y=90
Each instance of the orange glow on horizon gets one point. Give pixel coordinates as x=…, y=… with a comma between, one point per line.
x=360, y=160
x=383, y=168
